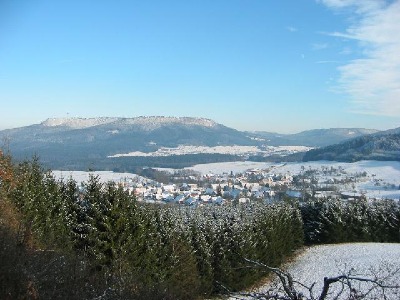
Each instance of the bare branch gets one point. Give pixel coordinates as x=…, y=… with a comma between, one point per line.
x=347, y=280
x=348, y=283
x=285, y=278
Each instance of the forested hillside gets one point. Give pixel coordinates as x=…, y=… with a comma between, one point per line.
x=382, y=146
x=314, y=137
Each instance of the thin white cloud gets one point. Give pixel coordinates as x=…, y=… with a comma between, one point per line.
x=292, y=29
x=319, y=46
x=327, y=62
x=346, y=51
x=372, y=81
x=362, y=6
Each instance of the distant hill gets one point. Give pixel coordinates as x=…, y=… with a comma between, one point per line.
x=76, y=141
x=107, y=143
x=312, y=138
x=384, y=145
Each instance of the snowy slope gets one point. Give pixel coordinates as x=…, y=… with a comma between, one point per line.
x=104, y=176
x=362, y=259
x=77, y=123
x=154, y=122
x=145, y=123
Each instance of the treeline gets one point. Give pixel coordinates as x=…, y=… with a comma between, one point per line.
x=337, y=221
x=129, y=164
x=172, y=161
x=59, y=240
x=294, y=157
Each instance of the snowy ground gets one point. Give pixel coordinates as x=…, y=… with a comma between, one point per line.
x=363, y=259
x=387, y=170
x=232, y=150
x=228, y=167
x=104, y=176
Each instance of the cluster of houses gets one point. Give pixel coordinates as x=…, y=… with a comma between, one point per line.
x=253, y=185
x=193, y=194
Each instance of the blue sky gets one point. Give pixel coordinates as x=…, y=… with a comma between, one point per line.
x=282, y=66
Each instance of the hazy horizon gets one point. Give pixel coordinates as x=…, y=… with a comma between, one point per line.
x=277, y=66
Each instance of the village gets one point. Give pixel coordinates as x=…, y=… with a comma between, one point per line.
x=239, y=182
x=263, y=185
x=253, y=185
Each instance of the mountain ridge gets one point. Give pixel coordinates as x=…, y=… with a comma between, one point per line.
x=147, y=122
x=79, y=142
x=314, y=137
x=90, y=141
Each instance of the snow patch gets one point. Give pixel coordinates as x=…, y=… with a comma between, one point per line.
x=104, y=176
x=232, y=150
x=113, y=131
x=77, y=123
x=145, y=123
x=154, y=122
x=228, y=167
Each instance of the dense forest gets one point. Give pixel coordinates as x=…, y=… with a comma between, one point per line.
x=382, y=146
x=61, y=240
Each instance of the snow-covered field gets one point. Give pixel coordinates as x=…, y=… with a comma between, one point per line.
x=228, y=167
x=361, y=259
x=232, y=150
x=104, y=176
x=386, y=170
